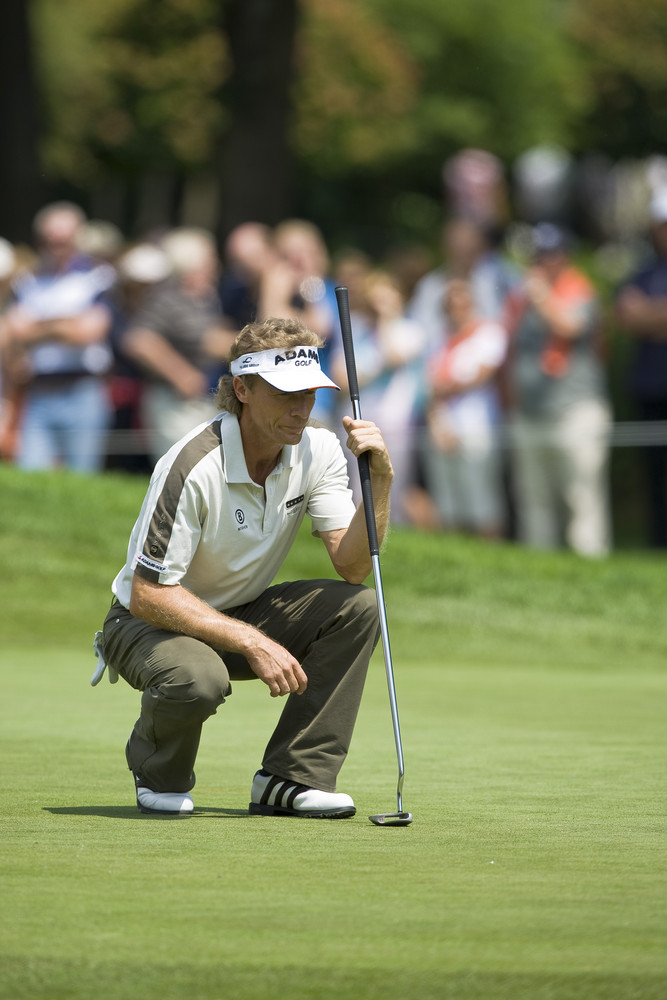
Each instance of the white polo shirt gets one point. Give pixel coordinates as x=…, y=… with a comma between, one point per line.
x=206, y=525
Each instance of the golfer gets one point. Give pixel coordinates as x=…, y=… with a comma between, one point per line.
x=194, y=608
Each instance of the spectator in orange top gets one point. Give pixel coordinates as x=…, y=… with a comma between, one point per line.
x=561, y=416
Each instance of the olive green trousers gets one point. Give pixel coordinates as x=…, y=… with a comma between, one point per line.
x=330, y=626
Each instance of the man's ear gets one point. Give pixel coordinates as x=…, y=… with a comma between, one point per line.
x=240, y=389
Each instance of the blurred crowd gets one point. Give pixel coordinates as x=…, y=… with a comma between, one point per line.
x=485, y=368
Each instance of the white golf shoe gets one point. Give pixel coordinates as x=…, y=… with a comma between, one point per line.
x=272, y=796
x=163, y=803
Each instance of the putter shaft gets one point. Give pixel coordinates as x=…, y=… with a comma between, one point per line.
x=399, y=818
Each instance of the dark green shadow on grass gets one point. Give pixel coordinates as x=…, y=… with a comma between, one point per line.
x=131, y=812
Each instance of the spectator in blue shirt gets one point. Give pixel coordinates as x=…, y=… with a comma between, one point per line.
x=57, y=347
x=642, y=311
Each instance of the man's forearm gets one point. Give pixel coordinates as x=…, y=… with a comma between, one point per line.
x=155, y=354
x=176, y=609
x=353, y=560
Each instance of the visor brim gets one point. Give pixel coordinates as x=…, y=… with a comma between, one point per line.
x=295, y=381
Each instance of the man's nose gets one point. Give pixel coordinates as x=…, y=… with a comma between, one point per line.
x=303, y=404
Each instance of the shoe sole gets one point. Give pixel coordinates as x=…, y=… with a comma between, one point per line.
x=163, y=812
x=256, y=809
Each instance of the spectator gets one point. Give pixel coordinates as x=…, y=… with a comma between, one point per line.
x=248, y=257
x=7, y=266
x=176, y=338
x=297, y=285
x=408, y=263
x=351, y=269
x=560, y=409
x=466, y=254
x=140, y=270
x=388, y=351
x=7, y=398
x=57, y=348
x=100, y=240
x=642, y=312
x=474, y=187
x=461, y=460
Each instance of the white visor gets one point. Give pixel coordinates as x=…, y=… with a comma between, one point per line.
x=292, y=369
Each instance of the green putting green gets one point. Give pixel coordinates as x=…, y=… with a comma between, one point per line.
x=531, y=690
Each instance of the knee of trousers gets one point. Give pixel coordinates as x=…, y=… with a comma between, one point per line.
x=199, y=682
x=361, y=607
x=210, y=684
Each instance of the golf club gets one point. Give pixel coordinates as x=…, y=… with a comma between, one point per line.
x=398, y=818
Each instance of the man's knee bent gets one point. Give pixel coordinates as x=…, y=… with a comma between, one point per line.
x=360, y=605
x=197, y=676
x=209, y=683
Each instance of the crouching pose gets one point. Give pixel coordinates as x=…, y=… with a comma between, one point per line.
x=194, y=606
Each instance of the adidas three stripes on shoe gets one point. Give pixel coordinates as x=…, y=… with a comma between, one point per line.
x=273, y=796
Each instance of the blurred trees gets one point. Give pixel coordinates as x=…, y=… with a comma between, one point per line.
x=299, y=105
x=625, y=47
x=255, y=174
x=20, y=188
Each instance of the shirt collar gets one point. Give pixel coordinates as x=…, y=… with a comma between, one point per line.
x=236, y=470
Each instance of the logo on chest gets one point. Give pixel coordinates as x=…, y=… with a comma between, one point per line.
x=292, y=506
x=240, y=519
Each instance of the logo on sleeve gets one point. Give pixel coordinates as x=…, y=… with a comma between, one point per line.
x=151, y=563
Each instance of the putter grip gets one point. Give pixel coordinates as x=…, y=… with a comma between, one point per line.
x=367, y=497
x=343, y=301
x=348, y=346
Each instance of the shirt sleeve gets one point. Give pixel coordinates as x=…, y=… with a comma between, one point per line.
x=170, y=531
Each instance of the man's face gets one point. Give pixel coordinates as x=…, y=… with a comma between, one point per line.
x=57, y=236
x=273, y=417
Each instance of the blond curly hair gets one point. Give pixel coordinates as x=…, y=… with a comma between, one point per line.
x=271, y=333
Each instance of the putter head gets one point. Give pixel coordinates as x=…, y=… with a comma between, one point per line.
x=392, y=819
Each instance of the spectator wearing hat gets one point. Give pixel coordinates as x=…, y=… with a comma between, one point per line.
x=560, y=413
x=141, y=269
x=177, y=338
x=641, y=309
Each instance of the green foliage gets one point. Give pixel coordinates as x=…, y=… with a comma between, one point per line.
x=357, y=89
x=134, y=83
x=624, y=46
x=427, y=78
x=130, y=84
x=499, y=76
